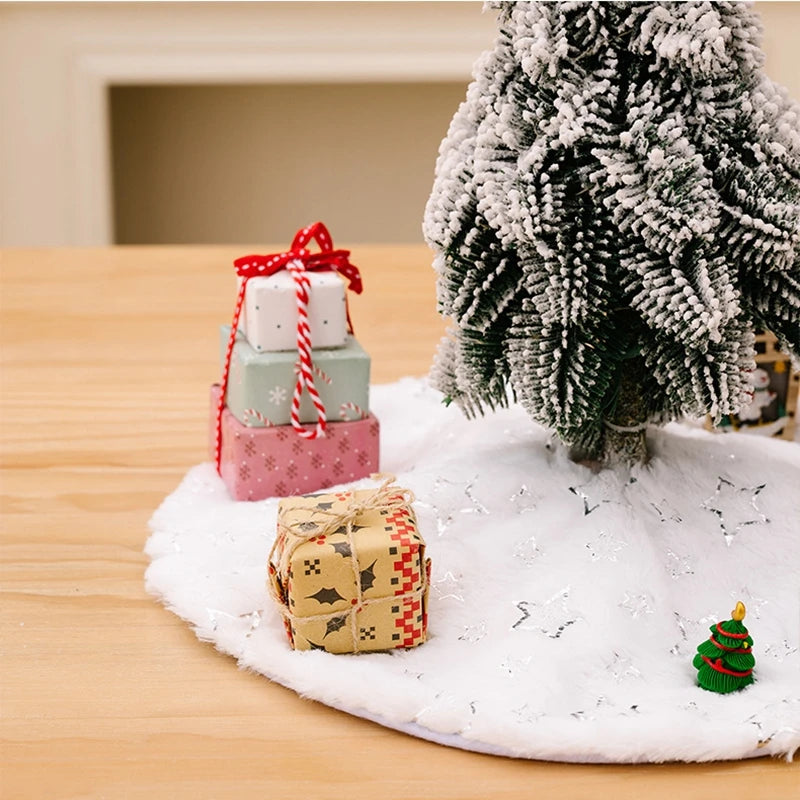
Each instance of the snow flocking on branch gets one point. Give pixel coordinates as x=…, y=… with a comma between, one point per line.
x=621, y=179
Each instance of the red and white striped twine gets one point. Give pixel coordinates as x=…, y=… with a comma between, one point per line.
x=356, y=409
x=237, y=311
x=305, y=377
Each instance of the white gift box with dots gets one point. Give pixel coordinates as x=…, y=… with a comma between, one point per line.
x=270, y=311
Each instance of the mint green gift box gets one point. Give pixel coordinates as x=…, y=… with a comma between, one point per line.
x=264, y=382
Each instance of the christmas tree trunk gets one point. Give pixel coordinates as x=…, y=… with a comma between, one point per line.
x=624, y=439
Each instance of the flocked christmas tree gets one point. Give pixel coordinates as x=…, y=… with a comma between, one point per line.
x=615, y=209
x=724, y=662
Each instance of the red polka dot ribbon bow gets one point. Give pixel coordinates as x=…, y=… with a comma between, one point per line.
x=298, y=260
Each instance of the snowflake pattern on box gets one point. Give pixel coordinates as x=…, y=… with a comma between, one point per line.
x=278, y=395
x=275, y=462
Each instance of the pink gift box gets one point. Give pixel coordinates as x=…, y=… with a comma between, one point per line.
x=276, y=462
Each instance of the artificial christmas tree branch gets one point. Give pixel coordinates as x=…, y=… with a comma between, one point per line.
x=616, y=156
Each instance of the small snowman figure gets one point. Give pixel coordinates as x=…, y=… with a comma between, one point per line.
x=762, y=397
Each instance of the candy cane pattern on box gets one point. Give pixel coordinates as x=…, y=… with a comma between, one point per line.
x=256, y=414
x=356, y=409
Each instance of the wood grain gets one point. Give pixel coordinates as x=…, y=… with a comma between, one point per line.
x=106, y=360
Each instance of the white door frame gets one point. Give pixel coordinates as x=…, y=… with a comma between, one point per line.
x=394, y=42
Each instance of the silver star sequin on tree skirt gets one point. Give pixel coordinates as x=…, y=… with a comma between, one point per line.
x=255, y=621
x=636, y=604
x=476, y=506
x=551, y=618
x=527, y=551
x=523, y=500
x=780, y=651
x=695, y=628
x=588, y=505
x=447, y=587
x=735, y=507
x=605, y=547
x=445, y=518
x=694, y=708
x=449, y=708
x=608, y=708
x=784, y=714
x=621, y=667
x=473, y=633
x=784, y=730
x=666, y=511
x=526, y=715
x=513, y=665
x=216, y=615
x=752, y=603
x=678, y=565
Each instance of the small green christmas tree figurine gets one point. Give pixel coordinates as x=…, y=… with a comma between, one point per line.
x=725, y=662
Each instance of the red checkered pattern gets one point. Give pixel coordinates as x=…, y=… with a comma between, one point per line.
x=411, y=623
x=407, y=550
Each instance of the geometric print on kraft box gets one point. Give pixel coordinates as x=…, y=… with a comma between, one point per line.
x=275, y=462
x=411, y=620
x=346, y=591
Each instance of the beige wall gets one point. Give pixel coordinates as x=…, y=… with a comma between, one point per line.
x=253, y=163
x=59, y=62
x=782, y=42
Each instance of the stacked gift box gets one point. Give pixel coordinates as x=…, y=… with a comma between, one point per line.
x=294, y=419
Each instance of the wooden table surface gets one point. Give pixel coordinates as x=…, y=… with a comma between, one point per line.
x=106, y=360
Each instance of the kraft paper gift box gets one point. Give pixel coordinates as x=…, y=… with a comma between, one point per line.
x=352, y=587
x=275, y=462
x=270, y=311
x=264, y=382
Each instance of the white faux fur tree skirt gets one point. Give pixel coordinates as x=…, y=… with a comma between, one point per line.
x=565, y=605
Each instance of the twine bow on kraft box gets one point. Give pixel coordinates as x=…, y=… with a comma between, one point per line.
x=348, y=570
x=260, y=443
